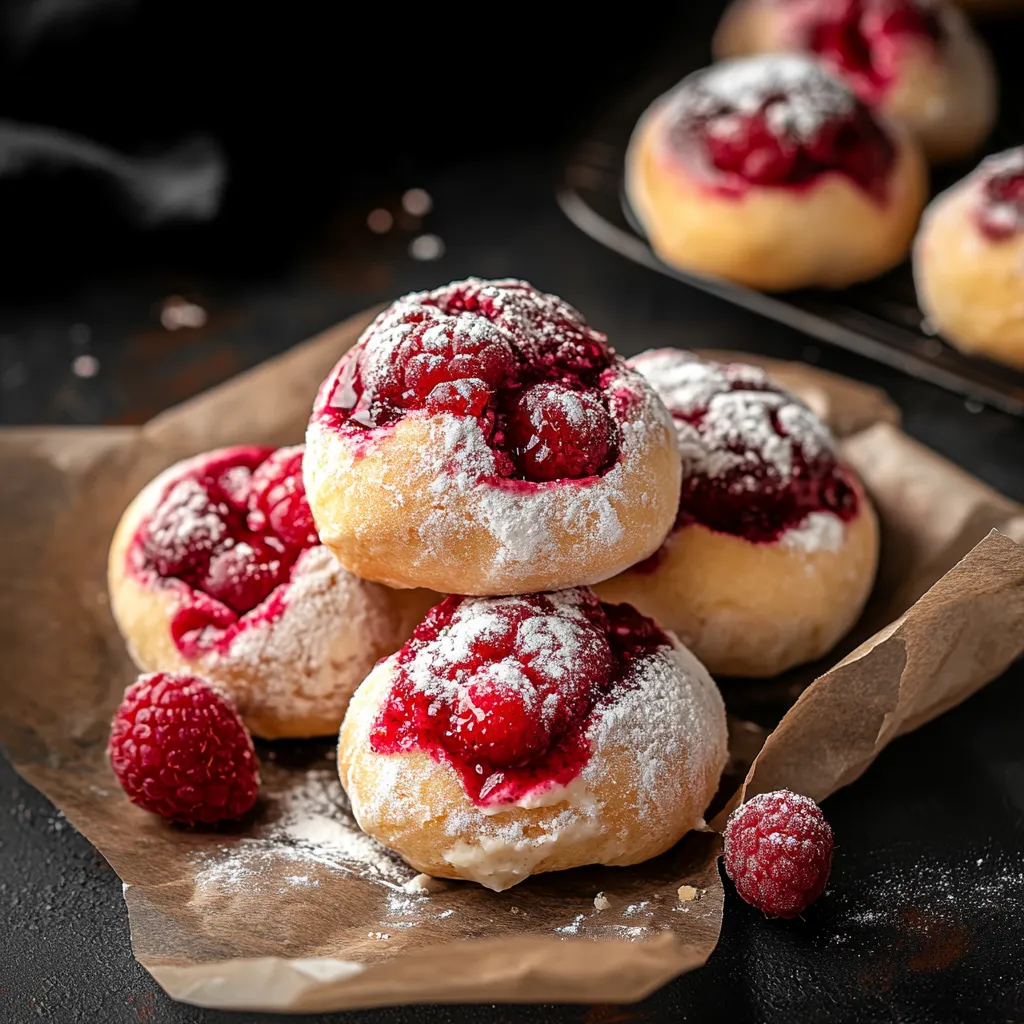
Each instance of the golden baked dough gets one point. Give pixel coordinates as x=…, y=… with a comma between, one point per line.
x=755, y=604
x=432, y=498
x=829, y=232
x=655, y=750
x=970, y=284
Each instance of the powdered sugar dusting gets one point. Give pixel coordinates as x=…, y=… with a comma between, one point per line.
x=730, y=415
x=820, y=531
x=670, y=724
x=530, y=524
x=664, y=733
x=310, y=828
x=332, y=628
x=797, y=95
x=551, y=641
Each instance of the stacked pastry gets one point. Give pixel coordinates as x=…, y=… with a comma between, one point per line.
x=483, y=441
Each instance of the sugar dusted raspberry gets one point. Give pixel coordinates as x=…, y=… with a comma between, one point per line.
x=500, y=724
x=557, y=432
x=779, y=120
x=231, y=527
x=550, y=335
x=491, y=686
x=185, y=529
x=243, y=574
x=778, y=852
x=476, y=349
x=412, y=356
x=181, y=751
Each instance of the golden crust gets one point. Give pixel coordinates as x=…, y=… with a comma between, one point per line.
x=755, y=609
x=418, y=808
x=949, y=105
x=397, y=514
x=832, y=234
x=290, y=687
x=969, y=287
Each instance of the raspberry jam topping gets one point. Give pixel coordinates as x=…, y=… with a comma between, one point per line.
x=523, y=364
x=1000, y=209
x=505, y=689
x=230, y=528
x=780, y=122
x=756, y=463
x=863, y=40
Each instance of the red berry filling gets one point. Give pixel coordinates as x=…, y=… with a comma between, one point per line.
x=525, y=365
x=1000, y=212
x=505, y=689
x=863, y=40
x=756, y=463
x=779, y=122
x=230, y=529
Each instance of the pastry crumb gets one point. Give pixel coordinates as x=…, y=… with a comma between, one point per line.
x=687, y=893
x=423, y=885
x=601, y=902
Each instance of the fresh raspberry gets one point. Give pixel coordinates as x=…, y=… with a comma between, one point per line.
x=559, y=433
x=243, y=574
x=778, y=852
x=277, y=499
x=180, y=750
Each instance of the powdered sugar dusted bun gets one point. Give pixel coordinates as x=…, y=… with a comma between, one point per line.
x=215, y=568
x=917, y=61
x=969, y=261
x=776, y=544
x=518, y=735
x=483, y=439
x=769, y=172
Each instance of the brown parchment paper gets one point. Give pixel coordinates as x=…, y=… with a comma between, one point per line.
x=293, y=909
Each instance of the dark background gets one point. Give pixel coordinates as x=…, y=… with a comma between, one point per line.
x=322, y=117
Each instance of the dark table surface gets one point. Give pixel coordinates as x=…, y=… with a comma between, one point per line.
x=923, y=919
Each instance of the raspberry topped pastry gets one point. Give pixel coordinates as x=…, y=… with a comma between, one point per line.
x=969, y=261
x=917, y=61
x=771, y=173
x=483, y=439
x=216, y=568
x=775, y=544
x=517, y=735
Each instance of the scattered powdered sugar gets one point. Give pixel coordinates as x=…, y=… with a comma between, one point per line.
x=308, y=827
x=672, y=716
x=938, y=904
x=797, y=95
x=731, y=416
